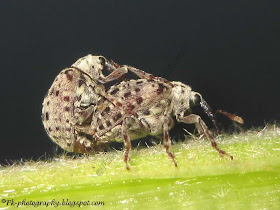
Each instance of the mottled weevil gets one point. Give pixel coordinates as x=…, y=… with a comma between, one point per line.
x=72, y=100
x=149, y=106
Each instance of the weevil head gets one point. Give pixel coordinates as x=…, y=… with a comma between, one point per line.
x=195, y=99
x=184, y=99
x=91, y=65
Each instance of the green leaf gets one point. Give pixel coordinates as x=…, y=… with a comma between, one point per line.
x=202, y=180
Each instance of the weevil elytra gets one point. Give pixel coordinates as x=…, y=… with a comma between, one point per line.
x=80, y=115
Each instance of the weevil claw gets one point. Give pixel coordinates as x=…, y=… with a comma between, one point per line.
x=128, y=166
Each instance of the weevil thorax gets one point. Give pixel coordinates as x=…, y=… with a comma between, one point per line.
x=183, y=98
x=91, y=65
x=181, y=94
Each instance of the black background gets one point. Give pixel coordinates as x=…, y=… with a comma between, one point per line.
x=226, y=50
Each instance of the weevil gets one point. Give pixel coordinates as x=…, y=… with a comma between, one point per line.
x=148, y=107
x=72, y=98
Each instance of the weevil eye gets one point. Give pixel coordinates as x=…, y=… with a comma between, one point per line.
x=102, y=60
x=195, y=100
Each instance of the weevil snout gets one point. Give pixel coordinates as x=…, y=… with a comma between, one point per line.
x=196, y=99
x=207, y=109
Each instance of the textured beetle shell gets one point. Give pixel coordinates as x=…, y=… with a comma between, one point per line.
x=144, y=101
x=61, y=110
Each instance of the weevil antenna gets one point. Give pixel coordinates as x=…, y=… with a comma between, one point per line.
x=207, y=109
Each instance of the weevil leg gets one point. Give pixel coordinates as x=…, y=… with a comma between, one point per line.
x=119, y=71
x=167, y=141
x=116, y=74
x=144, y=75
x=141, y=74
x=127, y=142
x=85, y=143
x=201, y=127
x=100, y=90
x=83, y=129
x=80, y=115
x=113, y=67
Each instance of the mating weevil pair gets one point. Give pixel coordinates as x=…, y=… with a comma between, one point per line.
x=80, y=115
